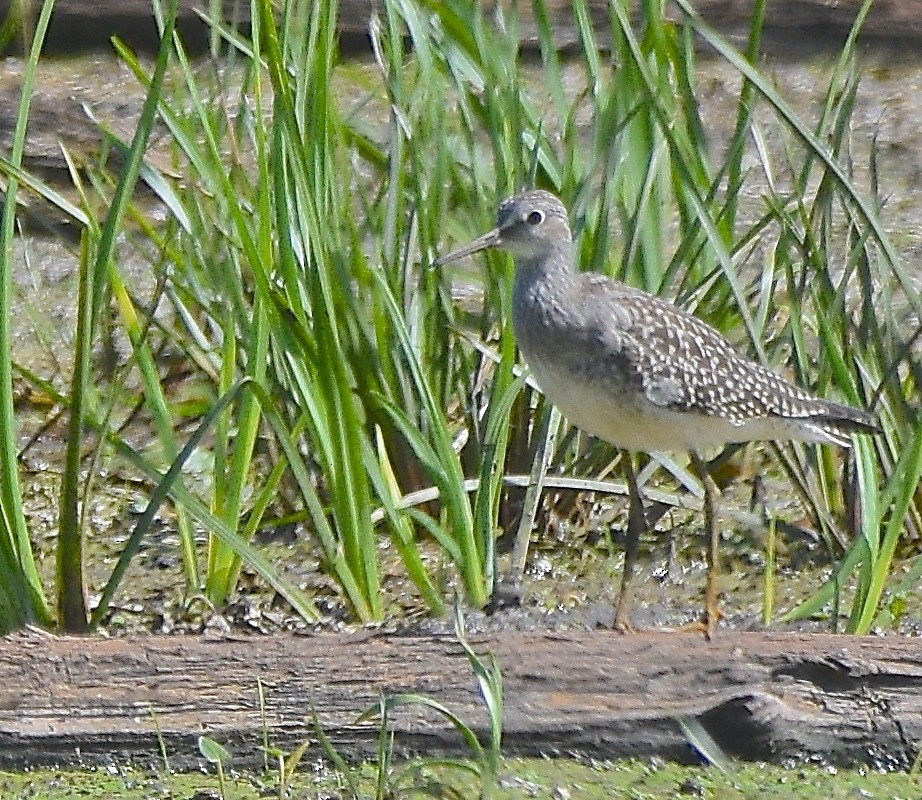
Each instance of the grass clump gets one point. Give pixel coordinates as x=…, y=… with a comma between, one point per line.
x=344, y=390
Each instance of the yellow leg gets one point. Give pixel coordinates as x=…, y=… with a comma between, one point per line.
x=712, y=611
x=636, y=524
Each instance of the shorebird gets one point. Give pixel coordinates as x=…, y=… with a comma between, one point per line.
x=641, y=373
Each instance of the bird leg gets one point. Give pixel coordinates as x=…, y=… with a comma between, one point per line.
x=712, y=612
x=636, y=524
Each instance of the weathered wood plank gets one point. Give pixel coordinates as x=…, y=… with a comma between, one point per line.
x=87, y=24
x=772, y=697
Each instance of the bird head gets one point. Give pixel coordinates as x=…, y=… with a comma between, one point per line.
x=529, y=225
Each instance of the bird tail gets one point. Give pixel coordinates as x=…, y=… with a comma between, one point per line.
x=839, y=421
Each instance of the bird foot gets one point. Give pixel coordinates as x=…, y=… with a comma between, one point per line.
x=712, y=616
x=623, y=627
x=708, y=624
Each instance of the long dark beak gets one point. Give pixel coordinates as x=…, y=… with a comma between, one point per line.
x=485, y=242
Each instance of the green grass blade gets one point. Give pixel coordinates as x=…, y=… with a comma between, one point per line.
x=22, y=599
x=72, y=615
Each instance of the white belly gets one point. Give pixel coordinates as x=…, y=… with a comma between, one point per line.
x=632, y=422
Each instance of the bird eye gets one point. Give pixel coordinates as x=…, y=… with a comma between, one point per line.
x=535, y=218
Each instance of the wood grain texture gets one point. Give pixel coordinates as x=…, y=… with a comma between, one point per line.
x=770, y=697
x=88, y=24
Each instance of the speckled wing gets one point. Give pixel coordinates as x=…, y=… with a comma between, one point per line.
x=684, y=364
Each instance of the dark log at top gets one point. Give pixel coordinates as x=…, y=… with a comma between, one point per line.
x=772, y=697
x=88, y=24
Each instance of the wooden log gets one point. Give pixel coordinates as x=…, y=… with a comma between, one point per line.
x=87, y=24
x=769, y=697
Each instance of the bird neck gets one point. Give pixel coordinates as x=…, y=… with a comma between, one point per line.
x=556, y=262
x=542, y=292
